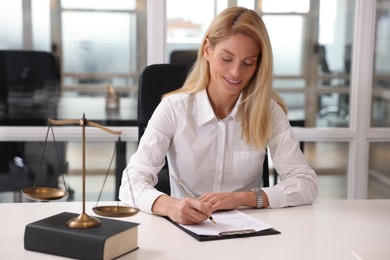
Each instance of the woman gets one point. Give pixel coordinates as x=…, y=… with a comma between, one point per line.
x=214, y=131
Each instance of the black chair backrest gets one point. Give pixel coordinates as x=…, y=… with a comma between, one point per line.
x=183, y=56
x=29, y=84
x=298, y=123
x=293, y=123
x=155, y=81
x=28, y=70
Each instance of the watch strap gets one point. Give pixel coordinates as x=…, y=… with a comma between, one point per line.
x=259, y=194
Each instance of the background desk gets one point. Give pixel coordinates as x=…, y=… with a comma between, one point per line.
x=71, y=107
x=340, y=229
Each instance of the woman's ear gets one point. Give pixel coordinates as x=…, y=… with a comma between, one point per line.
x=206, y=49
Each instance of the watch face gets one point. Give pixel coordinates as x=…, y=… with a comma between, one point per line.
x=259, y=193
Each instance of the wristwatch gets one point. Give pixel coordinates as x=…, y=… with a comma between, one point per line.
x=259, y=195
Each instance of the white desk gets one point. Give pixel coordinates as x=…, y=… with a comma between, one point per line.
x=340, y=229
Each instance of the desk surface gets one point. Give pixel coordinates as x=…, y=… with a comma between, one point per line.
x=339, y=229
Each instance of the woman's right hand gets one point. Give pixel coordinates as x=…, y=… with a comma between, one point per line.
x=187, y=211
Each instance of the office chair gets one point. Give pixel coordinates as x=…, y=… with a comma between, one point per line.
x=29, y=83
x=29, y=91
x=341, y=107
x=293, y=123
x=183, y=56
x=14, y=174
x=154, y=82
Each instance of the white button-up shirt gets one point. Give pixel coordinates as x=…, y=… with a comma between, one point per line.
x=209, y=155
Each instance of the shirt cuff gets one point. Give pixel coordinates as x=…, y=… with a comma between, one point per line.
x=276, y=197
x=149, y=197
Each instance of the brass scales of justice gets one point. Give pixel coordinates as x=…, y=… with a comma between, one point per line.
x=48, y=193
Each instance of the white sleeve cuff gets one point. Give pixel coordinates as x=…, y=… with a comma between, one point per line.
x=276, y=197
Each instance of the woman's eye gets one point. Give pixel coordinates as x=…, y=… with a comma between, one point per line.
x=250, y=62
x=226, y=59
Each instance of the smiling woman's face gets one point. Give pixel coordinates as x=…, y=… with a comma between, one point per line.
x=232, y=64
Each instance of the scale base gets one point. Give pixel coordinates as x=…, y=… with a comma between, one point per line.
x=83, y=221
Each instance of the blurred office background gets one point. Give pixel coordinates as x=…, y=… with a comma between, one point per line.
x=331, y=66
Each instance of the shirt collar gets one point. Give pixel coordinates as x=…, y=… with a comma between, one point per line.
x=205, y=110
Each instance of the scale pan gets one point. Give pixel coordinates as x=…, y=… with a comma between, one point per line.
x=115, y=211
x=44, y=193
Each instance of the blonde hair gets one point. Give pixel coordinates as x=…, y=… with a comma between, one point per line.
x=256, y=96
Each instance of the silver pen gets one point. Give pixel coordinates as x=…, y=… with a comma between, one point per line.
x=192, y=195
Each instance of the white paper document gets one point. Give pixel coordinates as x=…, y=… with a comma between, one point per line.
x=228, y=221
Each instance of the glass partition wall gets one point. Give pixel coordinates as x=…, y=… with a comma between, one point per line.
x=99, y=44
x=312, y=42
x=379, y=151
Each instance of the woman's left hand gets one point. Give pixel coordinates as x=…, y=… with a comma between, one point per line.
x=229, y=200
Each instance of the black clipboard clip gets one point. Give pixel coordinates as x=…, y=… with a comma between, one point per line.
x=237, y=232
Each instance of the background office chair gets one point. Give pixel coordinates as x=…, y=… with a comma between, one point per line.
x=155, y=81
x=331, y=103
x=29, y=83
x=14, y=175
x=29, y=91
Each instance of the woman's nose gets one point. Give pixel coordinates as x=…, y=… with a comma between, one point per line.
x=235, y=69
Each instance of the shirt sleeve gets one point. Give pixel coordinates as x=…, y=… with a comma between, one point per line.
x=298, y=183
x=140, y=175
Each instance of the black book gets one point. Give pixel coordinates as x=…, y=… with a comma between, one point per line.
x=111, y=239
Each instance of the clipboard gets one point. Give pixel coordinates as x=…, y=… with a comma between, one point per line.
x=227, y=234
